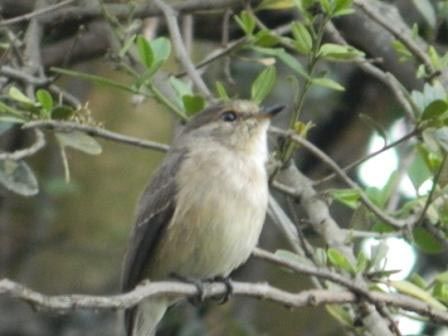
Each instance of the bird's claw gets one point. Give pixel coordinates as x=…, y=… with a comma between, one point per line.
x=200, y=295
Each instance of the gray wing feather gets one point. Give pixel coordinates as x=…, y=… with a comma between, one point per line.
x=156, y=207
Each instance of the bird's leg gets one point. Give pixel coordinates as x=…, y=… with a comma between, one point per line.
x=200, y=296
x=229, y=288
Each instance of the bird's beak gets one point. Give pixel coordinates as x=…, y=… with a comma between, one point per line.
x=271, y=111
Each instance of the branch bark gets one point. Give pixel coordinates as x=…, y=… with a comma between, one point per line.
x=262, y=291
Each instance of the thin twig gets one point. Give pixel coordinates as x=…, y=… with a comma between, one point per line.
x=322, y=273
x=435, y=181
x=66, y=96
x=385, y=77
x=371, y=155
x=188, y=32
x=66, y=126
x=23, y=76
x=278, y=215
x=343, y=175
x=20, y=154
x=403, y=36
x=182, y=54
x=141, y=10
x=36, y=13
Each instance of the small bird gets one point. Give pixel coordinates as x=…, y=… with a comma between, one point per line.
x=201, y=215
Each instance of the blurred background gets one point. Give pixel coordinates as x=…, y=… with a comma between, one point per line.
x=71, y=237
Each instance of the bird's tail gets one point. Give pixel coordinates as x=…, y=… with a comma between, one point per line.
x=147, y=316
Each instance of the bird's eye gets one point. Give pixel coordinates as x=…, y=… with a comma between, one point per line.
x=229, y=116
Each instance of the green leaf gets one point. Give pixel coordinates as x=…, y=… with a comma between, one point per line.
x=442, y=277
x=338, y=260
x=327, y=6
x=293, y=257
x=79, y=141
x=181, y=87
x=145, y=51
x=426, y=8
x=417, y=280
x=161, y=48
x=302, y=38
x=221, y=90
x=337, y=52
x=127, y=45
x=45, y=99
x=381, y=227
x=340, y=314
x=435, y=58
x=193, y=104
x=17, y=95
x=275, y=4
x=419, y=171
x=378, y=255
x=342, y=7
x=435, y=109
x=348, y=197
x=361, y=262
x=18, y=177
x=265, y=38
x=441, y=136
x=263, y=84
x=247, y=22
x=409, y=288
x=328, y=83
x=96, y=79
x=426, y=241
x=429, y=94
x=440, y=292
x=284, y=57
x=402, y=51
x=12, y=111
x=62, y=112
x=321, y=256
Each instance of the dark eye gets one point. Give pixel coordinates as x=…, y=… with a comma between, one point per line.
x=229, y=116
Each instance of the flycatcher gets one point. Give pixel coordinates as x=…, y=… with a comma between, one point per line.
x=201, y=215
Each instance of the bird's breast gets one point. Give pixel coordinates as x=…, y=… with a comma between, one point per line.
x=220, y=210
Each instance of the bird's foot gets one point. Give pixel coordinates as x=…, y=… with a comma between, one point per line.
x=229, y=288
x=197, y=299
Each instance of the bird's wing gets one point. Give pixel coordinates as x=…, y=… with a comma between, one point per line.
x=156, y=207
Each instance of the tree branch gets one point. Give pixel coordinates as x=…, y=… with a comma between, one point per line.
x=67, y=126
x=323, y=223
x=124, y=11
x=27, y=152
x=262, y=291
x=36, y=13
x=397, y=223
x=181, y=51
x=385, y=18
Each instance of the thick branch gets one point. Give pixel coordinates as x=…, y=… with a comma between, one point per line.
x=397, y=223
x=262, y=291
x=323, y=223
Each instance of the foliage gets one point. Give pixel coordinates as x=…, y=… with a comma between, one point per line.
x=305, y=52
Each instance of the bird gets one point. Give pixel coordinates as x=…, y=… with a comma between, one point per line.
x=202, y=213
